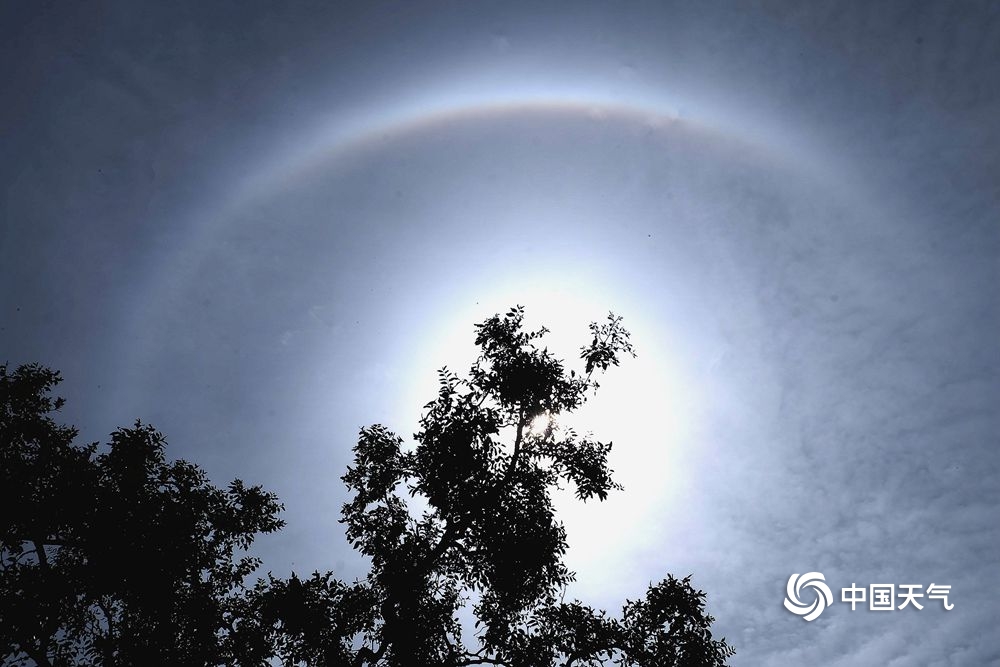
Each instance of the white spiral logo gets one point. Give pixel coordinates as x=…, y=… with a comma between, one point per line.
x=793, y=602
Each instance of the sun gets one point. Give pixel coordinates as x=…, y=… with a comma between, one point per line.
x=541, y=424
x=643, y=407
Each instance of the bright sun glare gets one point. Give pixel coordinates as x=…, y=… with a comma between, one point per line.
x=638, y=408
x=540, y=423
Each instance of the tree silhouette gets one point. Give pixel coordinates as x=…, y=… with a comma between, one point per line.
x=117, y=557
x=487, y=534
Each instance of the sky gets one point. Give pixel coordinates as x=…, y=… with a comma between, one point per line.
x=261, y=226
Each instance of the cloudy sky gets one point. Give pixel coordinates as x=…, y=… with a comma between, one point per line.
x=260, y=226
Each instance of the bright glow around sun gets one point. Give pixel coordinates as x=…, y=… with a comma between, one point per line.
x=640, y=407
x=541, y=423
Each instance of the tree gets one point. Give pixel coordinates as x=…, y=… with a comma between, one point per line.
x=487, y=533
x=114, y=556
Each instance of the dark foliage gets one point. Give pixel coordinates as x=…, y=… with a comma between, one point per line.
x=113, y=556
x=118, y=557
x=487, y=535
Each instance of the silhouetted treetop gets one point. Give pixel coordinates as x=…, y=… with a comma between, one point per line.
x=113, y=555
x=488, y=535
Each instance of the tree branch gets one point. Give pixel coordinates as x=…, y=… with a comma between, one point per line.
x=474, y=659
x=451, y=532
x=108, y=648
x=43, y=558
x=449, y=537
x=517, y=448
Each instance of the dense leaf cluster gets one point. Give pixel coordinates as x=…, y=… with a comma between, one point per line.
x=114, y=556
x=117, y=557
x=489, y=536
